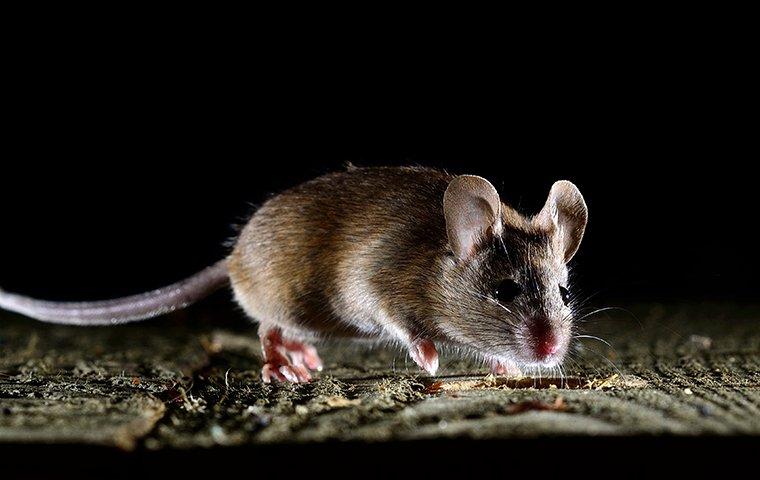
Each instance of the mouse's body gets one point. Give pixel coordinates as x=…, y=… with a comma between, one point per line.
x=412, y=256
x=346, y=254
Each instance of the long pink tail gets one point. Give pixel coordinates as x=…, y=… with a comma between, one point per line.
x=122, y=310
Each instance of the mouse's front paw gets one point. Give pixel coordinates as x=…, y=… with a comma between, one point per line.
x=506, y=368
x=424, y=354
x=284, y=372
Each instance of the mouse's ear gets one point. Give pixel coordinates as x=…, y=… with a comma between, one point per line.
x=472, y=209
x=565, y=215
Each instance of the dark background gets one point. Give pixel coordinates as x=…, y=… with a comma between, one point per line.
x=125, y=165
x=132, y=141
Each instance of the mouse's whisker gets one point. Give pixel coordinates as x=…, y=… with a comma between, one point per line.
x=592, y=337
x=614, y=308
x=503, y=245
x=581, y=367
x=579, y=303
x=501, y=322
x=597, y=311
x=493, y=300
x=610, y=362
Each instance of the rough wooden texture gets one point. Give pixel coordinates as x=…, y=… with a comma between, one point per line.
x=183, y=382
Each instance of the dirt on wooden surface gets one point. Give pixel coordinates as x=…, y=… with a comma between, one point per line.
x=681, y=370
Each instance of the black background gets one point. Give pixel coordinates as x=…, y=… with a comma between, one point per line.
x=126, y=164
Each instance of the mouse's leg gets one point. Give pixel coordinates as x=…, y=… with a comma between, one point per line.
x=420, y=347
x=277, y=365
x=424, y=354
x=303, y=355
x=505, y=367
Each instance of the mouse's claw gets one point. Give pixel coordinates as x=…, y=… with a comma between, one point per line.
x=304, y=355
x=278, y=366
x=284, y=373
x=270, y=372
x=424, y=354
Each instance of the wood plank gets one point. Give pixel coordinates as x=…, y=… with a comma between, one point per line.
x=678, y=370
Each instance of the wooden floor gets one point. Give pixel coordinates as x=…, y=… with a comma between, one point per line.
x=182, y=382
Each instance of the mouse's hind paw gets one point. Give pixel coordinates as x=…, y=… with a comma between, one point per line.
x=286, y=360
x=304, y=355
x=284, y=373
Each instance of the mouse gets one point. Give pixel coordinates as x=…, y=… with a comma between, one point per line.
x=412, y=257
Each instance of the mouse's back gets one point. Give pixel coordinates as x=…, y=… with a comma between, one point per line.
x=324, y=256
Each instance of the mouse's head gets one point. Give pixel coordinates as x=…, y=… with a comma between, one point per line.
x=504, y=287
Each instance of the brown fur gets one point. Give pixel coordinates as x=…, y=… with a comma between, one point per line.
x=302, y=247
x=365, y=253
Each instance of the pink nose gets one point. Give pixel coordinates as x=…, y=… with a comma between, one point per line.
x=544, y=342
x=546, y=348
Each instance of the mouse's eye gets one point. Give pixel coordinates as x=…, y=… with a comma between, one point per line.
x=565, y=294
x=507, y=291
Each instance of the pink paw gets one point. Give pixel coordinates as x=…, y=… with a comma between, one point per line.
x=284, y=373
x=286, y=360
x=505, y=368
x=424, y=354
x=304, y=355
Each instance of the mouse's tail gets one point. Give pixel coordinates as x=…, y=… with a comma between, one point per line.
x=122, y=310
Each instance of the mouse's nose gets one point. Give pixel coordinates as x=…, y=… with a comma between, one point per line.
x=543, y=340
x=546, y=348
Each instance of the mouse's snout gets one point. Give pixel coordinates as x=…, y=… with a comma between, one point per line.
x=544, y=341
x=546, y=348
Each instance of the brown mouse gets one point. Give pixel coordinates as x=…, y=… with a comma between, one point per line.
x=410, y=256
